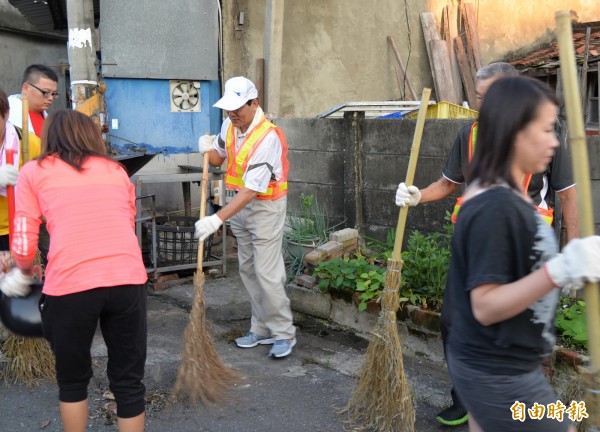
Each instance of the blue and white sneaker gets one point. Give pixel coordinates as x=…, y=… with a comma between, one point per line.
x=252, y=339
x=282, y=348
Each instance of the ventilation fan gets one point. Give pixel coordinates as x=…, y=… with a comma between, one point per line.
x=185, y=96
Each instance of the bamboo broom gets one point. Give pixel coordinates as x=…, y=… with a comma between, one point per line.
x=202, y=377
x=581, y=170
x=382, y=398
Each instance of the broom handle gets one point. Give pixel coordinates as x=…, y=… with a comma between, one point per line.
x=410, y=175
x=10, y=196
x=580, y=168
x=25, y=128
x=203, y=192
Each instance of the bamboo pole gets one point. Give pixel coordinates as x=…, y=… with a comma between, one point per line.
x=410, y=175
x=581, y=170
x=25, y=129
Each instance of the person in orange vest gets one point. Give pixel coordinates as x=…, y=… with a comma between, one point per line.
x=9, y=139
x=540, y=187
x=506, y=275
x=257, y=170
x=40, y=86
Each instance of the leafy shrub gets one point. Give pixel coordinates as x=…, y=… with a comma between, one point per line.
x=356, y=274
x=426, y=262
x=571, y=323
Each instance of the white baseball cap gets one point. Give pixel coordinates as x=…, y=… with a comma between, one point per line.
x=238, y=91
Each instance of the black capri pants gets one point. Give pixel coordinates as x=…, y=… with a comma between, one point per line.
x=69, y=323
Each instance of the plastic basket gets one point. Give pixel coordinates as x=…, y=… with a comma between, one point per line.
x=175, y=242
x=444, y=110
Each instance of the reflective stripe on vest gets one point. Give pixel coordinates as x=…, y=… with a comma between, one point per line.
x=547, y=214
x=237, y=160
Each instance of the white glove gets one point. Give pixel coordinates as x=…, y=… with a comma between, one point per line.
x=407, y=195
x=579, y=262
x=16, y=283
x=8, y=175
x=205, y=143
x=207, y=226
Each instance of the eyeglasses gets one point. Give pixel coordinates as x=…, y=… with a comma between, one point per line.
x=46, y=93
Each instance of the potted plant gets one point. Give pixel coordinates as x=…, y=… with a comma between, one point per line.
x=304, y=231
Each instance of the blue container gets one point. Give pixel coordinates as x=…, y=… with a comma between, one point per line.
x=396, y=115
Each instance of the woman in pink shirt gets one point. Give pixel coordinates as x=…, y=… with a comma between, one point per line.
x=95, y=271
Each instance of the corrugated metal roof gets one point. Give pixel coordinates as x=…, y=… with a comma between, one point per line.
x=49, y=15
x=546, y=60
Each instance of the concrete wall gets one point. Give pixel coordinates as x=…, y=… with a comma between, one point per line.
x=337, y=51
x=333, y=51
x=354, y=166
x=21, y=45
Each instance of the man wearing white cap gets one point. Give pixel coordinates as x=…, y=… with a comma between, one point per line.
x=257, y=169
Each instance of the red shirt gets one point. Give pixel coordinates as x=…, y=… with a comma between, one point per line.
x=37, y=121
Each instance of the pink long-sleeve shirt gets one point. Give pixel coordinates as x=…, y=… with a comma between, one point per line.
x=90, y=217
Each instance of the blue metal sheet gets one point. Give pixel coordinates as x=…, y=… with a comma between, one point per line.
x=142, y=108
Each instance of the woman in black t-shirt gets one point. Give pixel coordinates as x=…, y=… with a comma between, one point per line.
x=501, y=289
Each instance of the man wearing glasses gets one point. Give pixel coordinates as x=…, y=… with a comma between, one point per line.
x=39, y=86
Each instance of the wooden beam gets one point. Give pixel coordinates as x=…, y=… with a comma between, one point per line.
x=470, y=22
x=430, y=31
x=466, y=73
x=444, y=85
x=403, y=78
x=450, y=28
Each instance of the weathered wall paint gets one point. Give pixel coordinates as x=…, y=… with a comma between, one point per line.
x=142, y=108
x=336, y=51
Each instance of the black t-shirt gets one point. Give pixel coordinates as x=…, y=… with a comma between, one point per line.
x=499, y=238
x=557, y=177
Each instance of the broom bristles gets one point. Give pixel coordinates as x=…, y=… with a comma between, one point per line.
x=202, y=377
x=382, y=398
x=28, y=361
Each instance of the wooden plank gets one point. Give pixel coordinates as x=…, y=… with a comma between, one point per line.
x=442, y=72
x=472, y=38
x=466, y=74
x=402, y=74
x=430, y=31
x=450, y=27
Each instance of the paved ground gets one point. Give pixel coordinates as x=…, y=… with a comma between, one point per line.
x=300, y=393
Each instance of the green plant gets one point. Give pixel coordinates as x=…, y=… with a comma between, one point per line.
x=571, y=323
x=381, y=251
x=370, y=284
x=305, y=230
x=355, y=274
x=311, y=224
x=426, y=262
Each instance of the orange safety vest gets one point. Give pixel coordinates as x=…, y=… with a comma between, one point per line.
x=547, y=214
x=237, y=160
